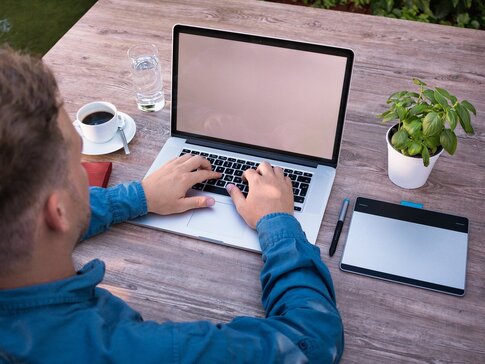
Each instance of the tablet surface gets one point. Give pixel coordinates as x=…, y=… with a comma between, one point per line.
x=408, y=245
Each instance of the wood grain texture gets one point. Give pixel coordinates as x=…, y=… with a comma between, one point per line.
x=165, y=276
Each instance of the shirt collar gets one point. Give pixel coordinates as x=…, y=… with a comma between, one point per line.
x=77, y=288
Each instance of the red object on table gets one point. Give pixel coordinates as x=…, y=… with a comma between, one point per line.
x=98, y=173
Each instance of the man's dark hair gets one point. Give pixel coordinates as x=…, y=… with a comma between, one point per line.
x=32, y=150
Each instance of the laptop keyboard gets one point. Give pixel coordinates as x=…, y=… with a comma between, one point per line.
x=232, y=170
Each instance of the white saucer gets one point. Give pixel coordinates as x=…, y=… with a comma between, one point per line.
x=90, y=148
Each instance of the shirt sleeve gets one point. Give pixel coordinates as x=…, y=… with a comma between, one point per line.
x=113, y=205
x=302, y=322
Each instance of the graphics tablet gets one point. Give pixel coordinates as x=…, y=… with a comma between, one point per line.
x=408, y=245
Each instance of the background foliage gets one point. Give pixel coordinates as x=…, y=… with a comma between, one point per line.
x=461, y=13
x=36, y=25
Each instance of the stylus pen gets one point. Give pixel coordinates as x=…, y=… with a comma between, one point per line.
x=338, y=228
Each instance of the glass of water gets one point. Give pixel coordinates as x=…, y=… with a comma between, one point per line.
x=147, y=77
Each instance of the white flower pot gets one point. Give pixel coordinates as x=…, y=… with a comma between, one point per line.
x=407, y=172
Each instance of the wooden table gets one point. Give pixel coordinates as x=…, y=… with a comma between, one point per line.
x=166, y=276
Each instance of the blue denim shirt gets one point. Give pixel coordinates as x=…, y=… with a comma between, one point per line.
x=74, y=321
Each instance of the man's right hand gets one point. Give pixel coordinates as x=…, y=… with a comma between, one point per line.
x=269, y=191
x=166, y=188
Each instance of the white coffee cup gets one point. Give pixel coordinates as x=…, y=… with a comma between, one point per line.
x=95, y=122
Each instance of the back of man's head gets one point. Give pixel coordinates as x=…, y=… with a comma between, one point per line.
x=32, y=150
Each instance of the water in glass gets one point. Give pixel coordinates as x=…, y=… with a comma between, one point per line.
x=147, y=79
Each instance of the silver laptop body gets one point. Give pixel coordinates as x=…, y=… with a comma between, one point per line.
x=240, y=99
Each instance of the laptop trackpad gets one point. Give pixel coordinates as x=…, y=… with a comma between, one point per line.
x=222, y=219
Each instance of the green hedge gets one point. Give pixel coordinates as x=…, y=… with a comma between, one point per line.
x=461, y=13
x=36, y=25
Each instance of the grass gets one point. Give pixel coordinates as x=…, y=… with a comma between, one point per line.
x=35, y=26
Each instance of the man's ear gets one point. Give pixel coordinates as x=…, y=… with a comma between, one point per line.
x=55, y=213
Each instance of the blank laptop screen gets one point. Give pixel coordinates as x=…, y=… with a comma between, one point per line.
x=272, y=97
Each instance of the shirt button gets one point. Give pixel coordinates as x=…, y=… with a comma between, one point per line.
x=303, y=345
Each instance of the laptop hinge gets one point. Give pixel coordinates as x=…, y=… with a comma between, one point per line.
x=257, y=152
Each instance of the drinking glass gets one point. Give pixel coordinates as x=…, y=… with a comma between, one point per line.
x=147, y=77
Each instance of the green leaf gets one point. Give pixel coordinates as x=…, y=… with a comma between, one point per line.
x=414, y=148
x=432, y=142
x=396, y=96
x=442, y=9
x=390, y=117
x=432, y=124
x=464, y=117
x=400, y=139
x=406, y=101
x=463, y=19
x=474, y=24
x=425, y=155
x=452, y=118
x=444, y=93
x=384, y=114
x=448, y=141
x=441, y=100
x=413, y=127
x=429, y=94
x=418, y=82
x=418, y=109
x=401, y=112
x=470, y=107
x=413, y=94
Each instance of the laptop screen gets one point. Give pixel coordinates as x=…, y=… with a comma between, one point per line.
x=257, y=91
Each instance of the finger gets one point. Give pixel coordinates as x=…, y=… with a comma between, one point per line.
x=265, y=168
x=180, y=160
x=203, y=175
x=176, y=160
x=236, y=195
x=278, y=171
x=250, y=174
x=196, y=162
x=197, y=202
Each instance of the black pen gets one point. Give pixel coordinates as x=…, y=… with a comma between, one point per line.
x=338, y=228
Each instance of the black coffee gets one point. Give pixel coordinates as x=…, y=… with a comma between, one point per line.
x=98, y=117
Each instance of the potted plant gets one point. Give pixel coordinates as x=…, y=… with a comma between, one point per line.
x=426, y=124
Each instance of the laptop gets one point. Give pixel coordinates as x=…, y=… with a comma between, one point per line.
x=240, y=99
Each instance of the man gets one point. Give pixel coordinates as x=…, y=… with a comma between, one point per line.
x=49, y=313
